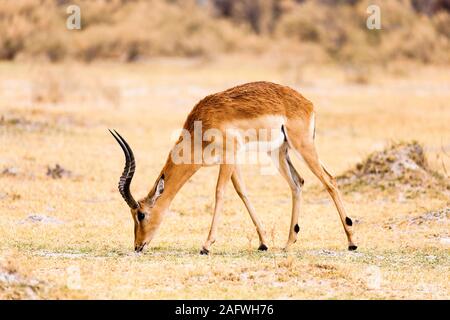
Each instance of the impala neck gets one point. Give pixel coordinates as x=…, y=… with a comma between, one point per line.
x=175, y=176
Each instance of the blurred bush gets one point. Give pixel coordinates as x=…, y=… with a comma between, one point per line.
x=127, y=30
x=341, y=31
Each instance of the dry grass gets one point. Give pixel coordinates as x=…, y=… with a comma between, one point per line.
x=52, y=228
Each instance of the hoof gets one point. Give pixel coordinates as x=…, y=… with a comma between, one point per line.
x=262, y=247
x=204, y=252
x=352, y=247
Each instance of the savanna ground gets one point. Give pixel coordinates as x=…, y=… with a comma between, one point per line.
x=71, y=235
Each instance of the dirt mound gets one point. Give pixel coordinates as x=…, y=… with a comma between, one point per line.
x=402, y=166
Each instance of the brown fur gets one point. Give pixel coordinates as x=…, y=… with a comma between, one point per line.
x=247, y=101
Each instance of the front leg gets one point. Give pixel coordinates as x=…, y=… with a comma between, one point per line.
x=239, y=185
x=224, y=176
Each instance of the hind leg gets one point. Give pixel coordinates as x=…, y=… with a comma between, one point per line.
x=305, y=146
x=295, y=182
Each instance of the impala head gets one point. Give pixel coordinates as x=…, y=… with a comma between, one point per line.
x=146, y=215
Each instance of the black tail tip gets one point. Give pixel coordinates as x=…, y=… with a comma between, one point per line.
x=352, y=247
x=263, y=247
x=204, y=252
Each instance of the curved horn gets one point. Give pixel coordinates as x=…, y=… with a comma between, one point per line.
x=128, y=171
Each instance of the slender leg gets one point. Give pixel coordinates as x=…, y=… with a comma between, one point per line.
x=295, y=182
x=224, y=176
x=239, y=186
x=308, y=151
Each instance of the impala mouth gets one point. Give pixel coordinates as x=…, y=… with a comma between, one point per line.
x=140, y=248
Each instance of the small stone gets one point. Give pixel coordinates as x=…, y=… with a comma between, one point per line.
x=10, y=171
x=36, y=218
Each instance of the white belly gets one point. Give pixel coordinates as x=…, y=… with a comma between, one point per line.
x=233, y=140
x=262, y=134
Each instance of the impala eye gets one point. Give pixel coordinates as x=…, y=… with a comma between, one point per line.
x=140, y=216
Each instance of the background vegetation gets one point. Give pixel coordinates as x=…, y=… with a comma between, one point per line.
x=323, y=30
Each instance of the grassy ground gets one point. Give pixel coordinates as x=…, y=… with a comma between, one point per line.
x=59, y=114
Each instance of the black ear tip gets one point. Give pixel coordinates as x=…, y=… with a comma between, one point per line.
x=162, y=176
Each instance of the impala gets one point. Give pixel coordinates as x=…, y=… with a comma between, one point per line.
x=263, y=106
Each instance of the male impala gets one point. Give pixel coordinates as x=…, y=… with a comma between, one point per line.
x=258, y=105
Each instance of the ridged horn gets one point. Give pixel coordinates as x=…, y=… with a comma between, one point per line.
x=128, y=171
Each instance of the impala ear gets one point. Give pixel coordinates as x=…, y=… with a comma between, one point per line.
x=159, y=189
